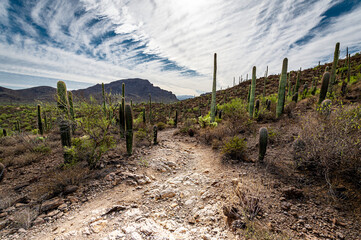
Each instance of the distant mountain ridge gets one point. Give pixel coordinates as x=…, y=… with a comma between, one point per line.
x=136, y=89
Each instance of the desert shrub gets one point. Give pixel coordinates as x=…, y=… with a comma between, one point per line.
x=143, y=136
x=97, y=126
x=205, y=121
x=235, y=148
x=161, y=126
x=333, y=144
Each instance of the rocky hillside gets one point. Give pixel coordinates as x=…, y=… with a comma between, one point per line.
x=137, y=90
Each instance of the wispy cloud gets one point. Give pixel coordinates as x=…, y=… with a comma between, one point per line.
x=171, y=42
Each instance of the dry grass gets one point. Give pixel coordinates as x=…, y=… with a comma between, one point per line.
x=333, y=145
x=24, y=218
x=55, y=182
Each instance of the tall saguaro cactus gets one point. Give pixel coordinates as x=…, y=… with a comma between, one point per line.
x=324, y=86
x=282, y=89
x=334, y=67
x=265, y=82
x=62, y=97
x=252, y=93
x=40, y=123
x=213, y=101
x=122, y=112
x=150, y=108
x=103, y=94
x=129, y=129
x=71, y=105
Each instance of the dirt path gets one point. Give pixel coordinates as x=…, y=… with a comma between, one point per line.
x=180, y=197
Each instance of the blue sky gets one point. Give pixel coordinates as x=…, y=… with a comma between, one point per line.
x=169, y=42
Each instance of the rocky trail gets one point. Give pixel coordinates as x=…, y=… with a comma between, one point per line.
x=182, y=189
x=178, y=196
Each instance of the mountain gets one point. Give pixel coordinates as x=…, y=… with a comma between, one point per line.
x=136, y=89
x=184, y=97
x=42, y=93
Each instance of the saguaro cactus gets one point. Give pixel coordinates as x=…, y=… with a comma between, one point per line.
x=4, y=132
x=150, y=108
x=334, y=67
x=65, y=133
x=324, y=87
x=155, y=135
x=71, y=106
x=144, y=115
x=62, y=97
x=256, y=108
x=2, y=171
x=252, y=93
x=213, y=101
x=263, y=139
x=40, y=123
x=265, y=82
x=282, y=89
x=103, y=95
x=129, y=129
x=297, y=81
x=176, y=118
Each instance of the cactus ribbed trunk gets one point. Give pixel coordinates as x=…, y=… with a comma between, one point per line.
x=62, y=97
x=144, y=115
x=324, y=86
x=263, y=139
x=71, y=106
x=297, y=82
x=129, y=129
x=252, y=93
x=282, y=89
x=349, y=68
x=213, y=101
x=65, y=133
x=40, y=123
x=334, y=67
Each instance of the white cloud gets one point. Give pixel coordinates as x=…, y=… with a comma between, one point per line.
x=187, y=32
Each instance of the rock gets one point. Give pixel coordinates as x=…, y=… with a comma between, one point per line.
x=70, y=189
x=38, y=220
x=98, y=226
x=4, y=223
x=238, y=224
x=63, y=207
x=168, y=193
x=191, y=220
x=51, y=204
x=4, y=214
x=292, y=193
x=53, y=213
x=22, y=230
x=285, y=206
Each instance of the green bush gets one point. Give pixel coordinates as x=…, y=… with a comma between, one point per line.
x=161, y=126
x=235, y=148
x=206, y=121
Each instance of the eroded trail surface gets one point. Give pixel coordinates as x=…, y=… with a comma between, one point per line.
x=176, y=192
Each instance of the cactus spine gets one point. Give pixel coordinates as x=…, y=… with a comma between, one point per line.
x=334, y=66
x=62, y=97
x=263, y=139
x=213, y=101
x=40, y=123
x=324, y=87
x=252, y=93
x=129, y=129
x=155, y=135
x=282, y=89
